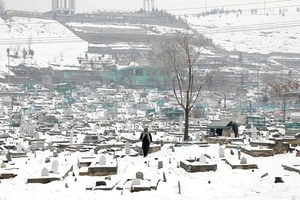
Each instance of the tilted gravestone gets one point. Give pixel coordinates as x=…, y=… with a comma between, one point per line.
x=139, y=175
x=160, y=164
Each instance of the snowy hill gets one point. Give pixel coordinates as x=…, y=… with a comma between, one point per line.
x=277, y=31
x=50, y=41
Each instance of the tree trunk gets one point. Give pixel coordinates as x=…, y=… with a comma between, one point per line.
x=186, y=125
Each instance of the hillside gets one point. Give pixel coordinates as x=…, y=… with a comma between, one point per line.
x=277, y=31
x=50, y=41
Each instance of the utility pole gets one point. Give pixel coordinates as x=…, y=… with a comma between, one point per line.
x=258, y=86
x=8, y=64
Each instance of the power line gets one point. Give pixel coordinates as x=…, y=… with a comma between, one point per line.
x=250, y=27
x=196, y=14
x=226, y=5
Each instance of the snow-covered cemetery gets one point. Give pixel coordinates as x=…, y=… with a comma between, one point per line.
x=199, y=102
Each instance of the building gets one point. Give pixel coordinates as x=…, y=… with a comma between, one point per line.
x=63, y=7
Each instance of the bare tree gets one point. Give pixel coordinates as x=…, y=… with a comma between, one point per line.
x=284, y=91
x=223, y=87
x=179, y=55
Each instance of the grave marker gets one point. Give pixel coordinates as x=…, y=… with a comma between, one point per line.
x=102, y=160
x=243, y=160
x=139, y=175
x=221, y=153
x=54, y=167
x=127, y=148
x=45, y=172
x=202, y=159
x=160, y=164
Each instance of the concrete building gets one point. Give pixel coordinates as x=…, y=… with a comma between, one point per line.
x=63, y=7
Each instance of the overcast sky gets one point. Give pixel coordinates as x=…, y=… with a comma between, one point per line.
x=90, y=5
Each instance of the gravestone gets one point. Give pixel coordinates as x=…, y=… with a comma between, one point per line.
x=161, y=143
x=221, y=153
x=267, y=136
x=135, y=181
x=180, y=124
x=47, y=160
x=55, y=154
x=19, y=148
x=102, y=160
x=197, y=137
x=139, y=175
x=231, y=152
x=8, y=157
x=243, y=161
x=54, y=167
x=160, y=164
x=202, y=159
x=56, y=129
x=100, y=183
x=278, y=180
x=175, y=139
x=173, y=149
x=127, y=148
x=45, y=172
x=202, y=137
x=72, y=135
x=253, y=133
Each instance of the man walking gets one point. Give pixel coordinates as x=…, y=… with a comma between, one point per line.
x=146, y=139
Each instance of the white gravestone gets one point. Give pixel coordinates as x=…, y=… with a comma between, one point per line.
x=253, y=133
x=54, y=167
x=102, y=160
x=202, y=159
x=127, y=148
x=221, y=153
x=175, y=139
x=180, y=124
x=45, y=172
x=19, y=148
x=244, y=160
x=56, y=129
x=197, y=137
x=72, y=135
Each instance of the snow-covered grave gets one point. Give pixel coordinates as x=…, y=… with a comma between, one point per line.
x=50, y=169
x=99, y=166
x=202, y=164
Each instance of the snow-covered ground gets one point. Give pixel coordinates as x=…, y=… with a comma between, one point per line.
x=225, y=183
